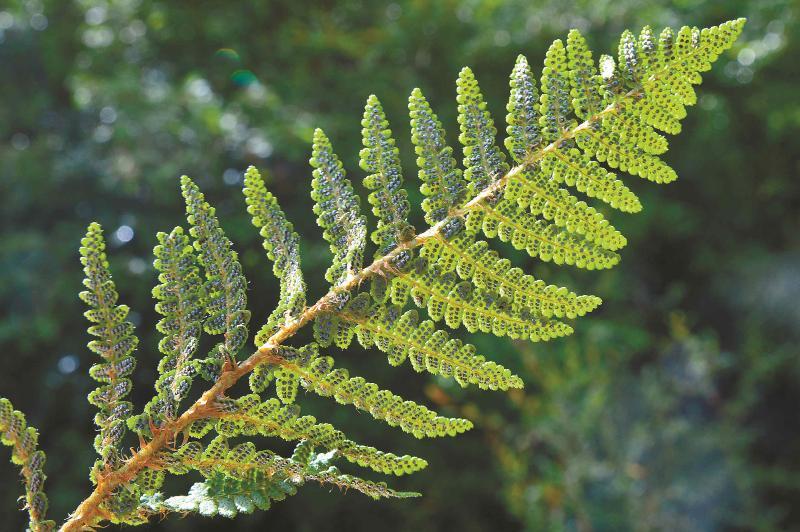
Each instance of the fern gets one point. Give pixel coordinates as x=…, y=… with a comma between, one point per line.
x=115, y=344
x=571, y=129
x=24, y=442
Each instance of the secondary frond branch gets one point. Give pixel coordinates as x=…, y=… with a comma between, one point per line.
x=24, y=441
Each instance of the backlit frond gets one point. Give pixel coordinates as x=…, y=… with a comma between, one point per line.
x=24, y=442
x=483, y=160
x=241, y=479
x=460, y=303
x=225, y=300
x=337, y=210
x=250, y=417
x=317, y=373
x=389, y=200
x=402, y=336
x=180, y=297
x=115, y=343
x=474, y=261
x=442, y=182
x=282, y=244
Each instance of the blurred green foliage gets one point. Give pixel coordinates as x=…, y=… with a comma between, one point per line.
x=633, y=424
x=608, y=444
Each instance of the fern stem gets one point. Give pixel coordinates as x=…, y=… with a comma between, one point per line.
x=90, y=512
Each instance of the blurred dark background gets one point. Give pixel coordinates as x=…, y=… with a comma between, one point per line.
x=673, y=407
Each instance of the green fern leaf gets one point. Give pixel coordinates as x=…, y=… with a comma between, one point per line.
x=389, y=200
x=483, y=161
x=525, y=138
x=115, y=344
x=463, y=304
x=317, y=373
x=259, y=476
x=282, y=244
x=511, y=223
x=536, y=188
x=252, y=417
x=524, y=134
x=476, y=262
x=286, y=385
x=180, y=297
x=401, y=336
x=564, y=131
x=585, y=88
x=24, y=442
x=337, y=210
x=150, y=480
x=225, y=300
x=261, y=377
x=442, y=182
x=555, y=106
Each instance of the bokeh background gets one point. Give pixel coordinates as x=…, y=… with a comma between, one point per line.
x=673, y=407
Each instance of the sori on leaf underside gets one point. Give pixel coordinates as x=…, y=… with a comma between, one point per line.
x=570, y=134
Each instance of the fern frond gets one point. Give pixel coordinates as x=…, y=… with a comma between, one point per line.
x=180, y=301
x=536, y=188
x=282, y=244
x=463, y=304
x=249, y=416
x=484, y=163
x=402, y=336
x=242, y=478
x=554, y=110
x=511, y=223
x=573, y=168
x=605, y=145
x=225, y=300
x=389, y=200
x=115, y=343
x=588, y=94
x=223, y=496
x=541, y=194
x=337, y=210
x=586, y=229
x=316, y=373
x=24, y=441
x=474, y=261
x=442, y=182
x=587, y=99
x=524, y=134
